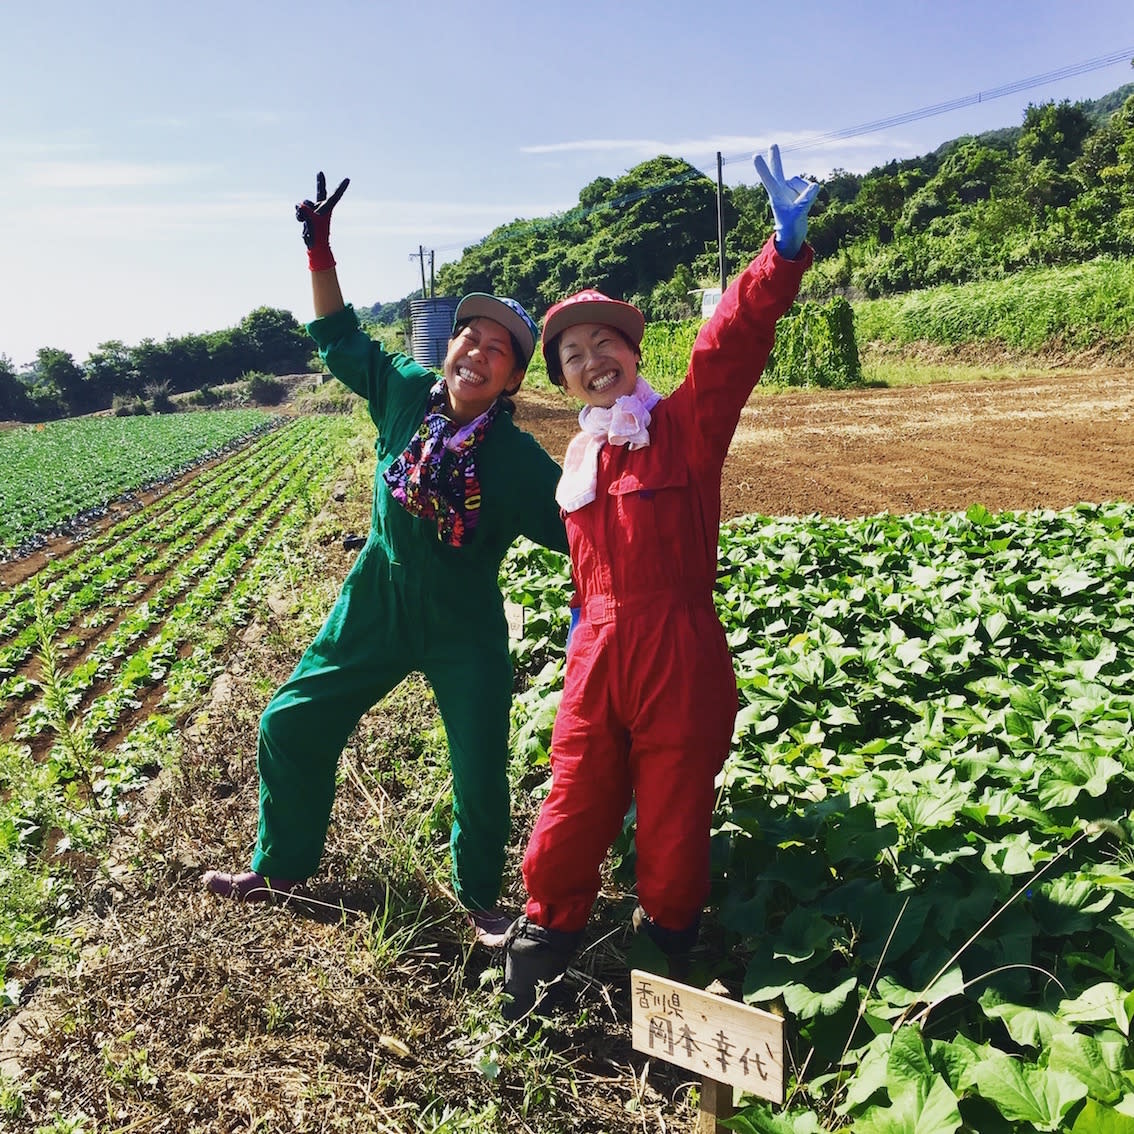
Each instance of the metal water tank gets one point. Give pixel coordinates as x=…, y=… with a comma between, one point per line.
x=431, y=323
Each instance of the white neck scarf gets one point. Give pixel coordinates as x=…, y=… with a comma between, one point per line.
x=627, y=422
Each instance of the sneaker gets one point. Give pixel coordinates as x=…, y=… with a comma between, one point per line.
x=489, y=926
x=250, y=886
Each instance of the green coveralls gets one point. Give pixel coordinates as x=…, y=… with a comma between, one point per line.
x=410, y=603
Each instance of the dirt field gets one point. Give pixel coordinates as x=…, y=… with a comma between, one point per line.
x=1008, y=444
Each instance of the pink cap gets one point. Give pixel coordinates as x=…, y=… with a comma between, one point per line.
x=590, y=306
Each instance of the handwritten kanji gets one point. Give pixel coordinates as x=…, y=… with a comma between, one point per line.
x=651, y=1000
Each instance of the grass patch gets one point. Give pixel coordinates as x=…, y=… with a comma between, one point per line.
x=1083, y=308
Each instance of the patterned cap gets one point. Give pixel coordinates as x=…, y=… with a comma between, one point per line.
x=500, y=309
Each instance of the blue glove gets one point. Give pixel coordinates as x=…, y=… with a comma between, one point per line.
x=791, y=202
x=575, y=612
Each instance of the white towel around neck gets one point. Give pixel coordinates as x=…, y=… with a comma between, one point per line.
x=627, y=422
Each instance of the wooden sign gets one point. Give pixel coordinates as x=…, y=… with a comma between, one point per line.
x=721, y=1040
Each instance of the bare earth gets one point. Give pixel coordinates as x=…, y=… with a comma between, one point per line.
x=1008, y=444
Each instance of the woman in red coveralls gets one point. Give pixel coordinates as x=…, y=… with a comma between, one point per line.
x=650, y=697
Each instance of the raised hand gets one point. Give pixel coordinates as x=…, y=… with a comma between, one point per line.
x=316, y=219
x=791, y=202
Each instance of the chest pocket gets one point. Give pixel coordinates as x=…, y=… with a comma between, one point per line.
x=648, y=482
x=655, y=516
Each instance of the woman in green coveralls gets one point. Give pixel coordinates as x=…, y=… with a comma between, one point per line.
x=456, y=483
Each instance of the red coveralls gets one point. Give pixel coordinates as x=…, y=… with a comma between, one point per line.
x=649, y=699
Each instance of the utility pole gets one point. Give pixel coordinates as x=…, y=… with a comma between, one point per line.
x=431, y=284
x=720, y=222
x=420, y=255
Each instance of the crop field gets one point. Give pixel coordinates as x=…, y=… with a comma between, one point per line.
x=106, y=644
x=923, y=848
x=67, y=472
x=926, y=817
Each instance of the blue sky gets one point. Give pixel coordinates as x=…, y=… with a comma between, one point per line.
x=152, y=153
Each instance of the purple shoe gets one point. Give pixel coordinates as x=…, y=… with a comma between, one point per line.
x=250, y=886
x=489, y=926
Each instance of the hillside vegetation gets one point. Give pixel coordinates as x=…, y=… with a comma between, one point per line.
x=1074, y=310
x=1056, y=191
x=1059, y=189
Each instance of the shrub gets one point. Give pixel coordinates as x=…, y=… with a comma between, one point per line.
x=816, y=346
x=129, y=406
x=205, y=396
x=264, y=389
x=158, y=393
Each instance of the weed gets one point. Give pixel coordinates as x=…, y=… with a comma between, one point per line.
x=11, y=1097
x=126, y=1066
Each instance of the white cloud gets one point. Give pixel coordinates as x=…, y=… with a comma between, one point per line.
x=651, y=147
x=859, y=153
x=105, y=174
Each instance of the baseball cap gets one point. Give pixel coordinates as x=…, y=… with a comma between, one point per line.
x=591, y=306
x=500, y=309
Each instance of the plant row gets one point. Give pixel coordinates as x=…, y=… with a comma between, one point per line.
x=128, y=658
x=56, y=473
x=166, y=650
x=108, y=574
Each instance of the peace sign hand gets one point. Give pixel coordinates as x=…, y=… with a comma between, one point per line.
x=316, y=219
x=791, y=201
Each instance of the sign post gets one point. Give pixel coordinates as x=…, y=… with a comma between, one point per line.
x=726, y=1043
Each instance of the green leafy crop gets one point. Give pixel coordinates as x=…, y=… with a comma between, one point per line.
x=922, y=841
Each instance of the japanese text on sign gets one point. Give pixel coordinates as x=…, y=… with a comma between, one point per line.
x=708, y=1034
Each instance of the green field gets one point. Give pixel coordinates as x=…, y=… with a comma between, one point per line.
x=922, y=845
x=923, y=836
x=54, y=472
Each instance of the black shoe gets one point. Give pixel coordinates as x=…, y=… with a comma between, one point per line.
x=676, y=944
x=535, y=957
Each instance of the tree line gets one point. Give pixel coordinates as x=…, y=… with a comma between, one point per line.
x=1058, y=189
x=267, y=341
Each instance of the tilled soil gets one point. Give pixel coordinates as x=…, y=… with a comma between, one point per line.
x=1007, y=444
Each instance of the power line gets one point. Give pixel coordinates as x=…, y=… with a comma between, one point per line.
x=954, y=104
x=993, y=93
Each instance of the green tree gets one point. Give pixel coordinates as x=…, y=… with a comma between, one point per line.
x=597, y=192
x=660, y=214
x=281, y=345
x=842, y=187
x=879, y=206
x=58, y=370
x=1053, y=132
x=231, y=355
x=111, y=370
x=675, y=299
x=748, y=224
x=13, y=392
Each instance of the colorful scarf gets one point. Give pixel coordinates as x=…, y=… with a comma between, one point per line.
x=627, y=422
x=435, y=477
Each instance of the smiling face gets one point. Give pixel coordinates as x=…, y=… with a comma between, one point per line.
x=480, y=366
x=599, y=366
